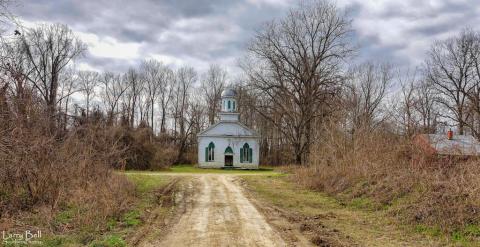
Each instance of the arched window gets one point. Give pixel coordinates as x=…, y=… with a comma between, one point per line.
x=229, y=104
x=210, y=152
x=246, y=154
x=234, y=105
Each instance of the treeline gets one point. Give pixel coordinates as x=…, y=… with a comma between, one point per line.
x=302, y=74
x=171, y=103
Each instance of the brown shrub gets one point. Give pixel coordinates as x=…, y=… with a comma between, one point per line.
x=49, y=170
x=142, y=150
x=165, y=156
x=379, y=166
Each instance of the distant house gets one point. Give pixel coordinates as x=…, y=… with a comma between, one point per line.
x=448, y=145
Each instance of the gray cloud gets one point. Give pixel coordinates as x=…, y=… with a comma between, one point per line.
x=402, y=31
x=199, y=32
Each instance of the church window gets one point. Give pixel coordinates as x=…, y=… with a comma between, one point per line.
x=233, y=105
x=210, y=152
x=229, y=105
x=246, y=154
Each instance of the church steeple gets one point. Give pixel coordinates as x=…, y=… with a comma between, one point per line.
x=229, y=105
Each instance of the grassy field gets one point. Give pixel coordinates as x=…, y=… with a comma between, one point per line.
x=146, y=184
x=117, y=230
x=358, y=220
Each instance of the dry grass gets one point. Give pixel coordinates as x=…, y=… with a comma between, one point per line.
x=378, y=167
x=58, y=176
x=43, y=173
x=54, y=179
x=323, y=219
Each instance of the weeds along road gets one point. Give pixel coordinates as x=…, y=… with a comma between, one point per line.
x=213, y=211
x=220, y=209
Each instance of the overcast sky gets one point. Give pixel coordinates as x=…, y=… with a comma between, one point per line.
x=121, y=33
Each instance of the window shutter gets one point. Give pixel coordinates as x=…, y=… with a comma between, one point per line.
x=250, y=155
x=241, y=155
x=206, y=154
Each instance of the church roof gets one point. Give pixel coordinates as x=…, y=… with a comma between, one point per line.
x=229, y=129
x=228, y=92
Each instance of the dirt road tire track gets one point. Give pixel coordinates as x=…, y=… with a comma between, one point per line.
x=217, y=213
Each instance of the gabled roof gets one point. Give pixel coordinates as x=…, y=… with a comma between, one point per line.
x=228, y=128
x=458, y=145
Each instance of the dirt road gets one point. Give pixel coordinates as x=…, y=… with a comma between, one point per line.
x=215, y=212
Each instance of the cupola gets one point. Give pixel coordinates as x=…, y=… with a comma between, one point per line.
x=229, y=105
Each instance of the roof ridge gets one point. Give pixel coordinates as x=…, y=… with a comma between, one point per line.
x=252, y=131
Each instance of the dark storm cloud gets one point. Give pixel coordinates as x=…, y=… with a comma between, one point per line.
x=199, y=32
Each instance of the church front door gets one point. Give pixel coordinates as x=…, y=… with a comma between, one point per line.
x=228, y=160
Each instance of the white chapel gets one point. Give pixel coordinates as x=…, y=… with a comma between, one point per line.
x=228, y=143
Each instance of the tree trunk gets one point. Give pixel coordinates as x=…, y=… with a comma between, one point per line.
x=162, y=123
x=151, y=117
x=461, y=124
x=298, y=158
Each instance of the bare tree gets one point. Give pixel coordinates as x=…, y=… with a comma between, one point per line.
x=165, y=96
x=426, y=105
x=185, y=78
x=156, y=77
x=295, y=66
x=15, y=71
x=408, y=103
x=448, y=68
x=143, y=101
x=88, y=82
x=213, y=83
x=473, y=91
x=6, y=16
x=132, y=95
x=366, y=90
x=49, y=49
x=68, y=86
x=113, y=88
x=196, y=115
x=193, y=119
